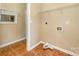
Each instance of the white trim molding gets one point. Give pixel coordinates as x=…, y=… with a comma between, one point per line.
x=61, y=49
x=6, y=44
x=28, y=21
x=8, y=13
x=51, y=46
x=35, y=45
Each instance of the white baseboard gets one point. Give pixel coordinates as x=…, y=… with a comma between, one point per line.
x=61, y=49
x=6, y=44
x=35, y=45
x=50, y=46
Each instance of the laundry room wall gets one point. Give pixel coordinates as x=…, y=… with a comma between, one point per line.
x=13, y=32
x=67, y=19
x=35, y=23
x=49, y=6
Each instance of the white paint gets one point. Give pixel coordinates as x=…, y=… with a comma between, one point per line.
x=28, y=26
x=61, y=49
x=35, y=45
x=52, y=47
x=8, y=12
x=67, y=22
x=29, y=38
x=6, y=44
x=45, y=46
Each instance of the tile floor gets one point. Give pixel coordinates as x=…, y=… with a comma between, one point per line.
x=19, y=49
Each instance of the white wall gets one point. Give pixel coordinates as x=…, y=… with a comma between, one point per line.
x=13, y=32
x=49, y=6
x=67, y=19
x=35, y=25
